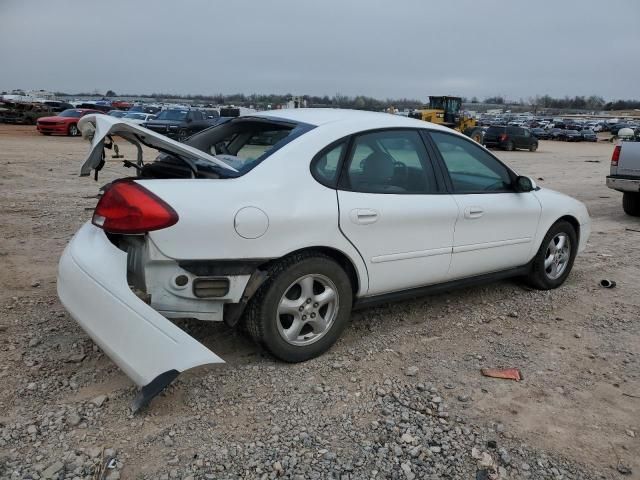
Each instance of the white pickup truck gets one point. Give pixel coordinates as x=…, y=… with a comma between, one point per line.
x=625, y=175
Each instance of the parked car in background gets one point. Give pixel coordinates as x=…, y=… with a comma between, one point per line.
x=589, y=135
x=65, y=123
x=510, y=138
x=540, y=133
x=139, y=118
x=624, y=175
x=570, y=136
x=616, y=127
x=179, y=123
x=286, y=220
x=117, y=113
x=554, y=133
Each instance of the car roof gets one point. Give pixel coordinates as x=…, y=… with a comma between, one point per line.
x=323, y=116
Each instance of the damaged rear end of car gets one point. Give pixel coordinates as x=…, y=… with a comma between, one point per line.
x=122, y=287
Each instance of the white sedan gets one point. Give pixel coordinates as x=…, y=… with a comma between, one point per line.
x=286, y=221
x=138, y=118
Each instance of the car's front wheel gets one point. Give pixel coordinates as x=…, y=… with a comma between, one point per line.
x=553, y=262
x=533, y=147
x=73, y=130
x=302, y=308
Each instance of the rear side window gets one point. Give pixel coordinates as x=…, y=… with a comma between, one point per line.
x=325, y=166
x=389, y=161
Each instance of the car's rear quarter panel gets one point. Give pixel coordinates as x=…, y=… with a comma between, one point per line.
x=302, y=213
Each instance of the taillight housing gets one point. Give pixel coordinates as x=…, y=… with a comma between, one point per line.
x=503, y=137
x=128, y=208
x=615, y=156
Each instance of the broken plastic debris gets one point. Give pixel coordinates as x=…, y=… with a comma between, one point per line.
x=506, y=373
x=607, y=283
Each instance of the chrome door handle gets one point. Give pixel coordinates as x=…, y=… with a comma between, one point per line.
x=364, y=216
x=473, y=212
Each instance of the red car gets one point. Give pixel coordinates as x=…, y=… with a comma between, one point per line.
x=65, y=123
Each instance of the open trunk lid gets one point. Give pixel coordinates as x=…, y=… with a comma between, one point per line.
x=99, y=129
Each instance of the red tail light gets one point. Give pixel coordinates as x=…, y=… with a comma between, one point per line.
x=503, y=137
x=129, y=208
x=615, y=156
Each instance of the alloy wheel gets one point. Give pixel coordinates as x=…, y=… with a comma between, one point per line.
x=557, y=256
x=307, y=310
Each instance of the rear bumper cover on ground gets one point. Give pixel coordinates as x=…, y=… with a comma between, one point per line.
x=92, y=285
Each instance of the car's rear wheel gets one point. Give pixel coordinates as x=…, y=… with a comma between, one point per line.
x=509, y=147
x=73, y=130
x=554, y=260
x=631, y=203
x=302, y=308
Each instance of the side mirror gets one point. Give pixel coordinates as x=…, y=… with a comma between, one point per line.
x=189, y=119
x=525, y=184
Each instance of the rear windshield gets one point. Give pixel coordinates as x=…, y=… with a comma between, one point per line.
x=172, y=115
x=496, y=129
x=71, y=113
x=136, y=116
x=244, y=142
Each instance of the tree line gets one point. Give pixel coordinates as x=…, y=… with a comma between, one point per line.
x=362, y=102
x=578, y=102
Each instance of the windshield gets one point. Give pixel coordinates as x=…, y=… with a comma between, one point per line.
x=71, y=113
x=172, y=115
x=136, y=116
x=244, y=142
x=117, y=113
x=588, y=132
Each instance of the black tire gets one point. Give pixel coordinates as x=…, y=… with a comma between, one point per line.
x=182, y=135
x=509, y=147
x=538, y=276
x=533, y=147
x=476, y=134
x=73, y=130
x=46, y=133
x=631, y=203
x=261, y=319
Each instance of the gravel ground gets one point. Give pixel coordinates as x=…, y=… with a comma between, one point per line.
x=400, y=396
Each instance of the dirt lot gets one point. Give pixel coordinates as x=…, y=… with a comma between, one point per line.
x=355, y=412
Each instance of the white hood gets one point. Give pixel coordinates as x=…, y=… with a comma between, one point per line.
x=97, y=126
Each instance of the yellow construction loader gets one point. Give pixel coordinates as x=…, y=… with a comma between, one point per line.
x=447, y=111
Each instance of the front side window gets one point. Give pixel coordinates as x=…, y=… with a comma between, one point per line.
x=391, y=161
x=471, y=168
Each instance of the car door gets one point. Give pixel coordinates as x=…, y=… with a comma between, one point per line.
x=496, y=225
x=527, y=139
x=394, y=210
x=514, y=136
x=195, y=121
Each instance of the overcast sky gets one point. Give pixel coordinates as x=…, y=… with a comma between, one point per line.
x=392, y=48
